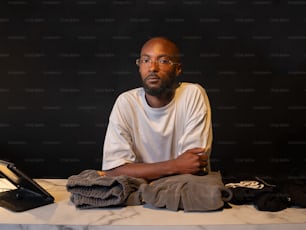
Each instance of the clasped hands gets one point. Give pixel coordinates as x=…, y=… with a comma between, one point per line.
x=192, y=161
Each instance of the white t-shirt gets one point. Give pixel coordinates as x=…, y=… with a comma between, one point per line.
x=139, y=133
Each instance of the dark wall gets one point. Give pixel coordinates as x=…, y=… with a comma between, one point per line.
x=63, y=63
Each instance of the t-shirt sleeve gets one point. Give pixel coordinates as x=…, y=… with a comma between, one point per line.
x=198, y=124
x=117, y=149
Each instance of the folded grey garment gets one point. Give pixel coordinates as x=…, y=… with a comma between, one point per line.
x=91, y=190
x=187, y=192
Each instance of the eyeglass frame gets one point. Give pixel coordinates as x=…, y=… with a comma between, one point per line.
x=158, y=61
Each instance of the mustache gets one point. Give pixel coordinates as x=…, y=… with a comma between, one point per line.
x=152, y=75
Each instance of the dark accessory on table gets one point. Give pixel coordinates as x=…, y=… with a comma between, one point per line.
x=27, y=194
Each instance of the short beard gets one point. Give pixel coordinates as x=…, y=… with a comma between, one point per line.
x=166, y=87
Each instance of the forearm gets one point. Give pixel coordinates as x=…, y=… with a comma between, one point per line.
x=190, y=162
x=148, y=171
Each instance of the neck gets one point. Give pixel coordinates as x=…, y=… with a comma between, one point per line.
x=159, y=101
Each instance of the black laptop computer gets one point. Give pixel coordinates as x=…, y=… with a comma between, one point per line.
x=26, y=193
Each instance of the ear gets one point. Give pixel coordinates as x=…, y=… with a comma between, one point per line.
x=178, y=70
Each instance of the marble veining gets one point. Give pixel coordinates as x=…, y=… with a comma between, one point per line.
x=64, y=215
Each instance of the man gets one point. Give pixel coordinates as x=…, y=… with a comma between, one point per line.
x=163, y=128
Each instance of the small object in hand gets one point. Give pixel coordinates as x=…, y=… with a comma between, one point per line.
x=203, y=172
x=101, y=173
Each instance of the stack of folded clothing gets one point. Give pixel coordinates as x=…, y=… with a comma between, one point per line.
x=180, y=192
x=91, y=190
x=187, y=192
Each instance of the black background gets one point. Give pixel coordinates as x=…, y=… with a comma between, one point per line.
x=63, y=63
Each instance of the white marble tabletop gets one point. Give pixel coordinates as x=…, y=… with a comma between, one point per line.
x=64, y=215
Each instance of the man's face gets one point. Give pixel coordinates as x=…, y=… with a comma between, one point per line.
x=158, y=76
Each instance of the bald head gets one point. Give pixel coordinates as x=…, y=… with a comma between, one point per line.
x=161, y=43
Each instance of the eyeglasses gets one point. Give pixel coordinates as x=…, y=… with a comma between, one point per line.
x=163, y=61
